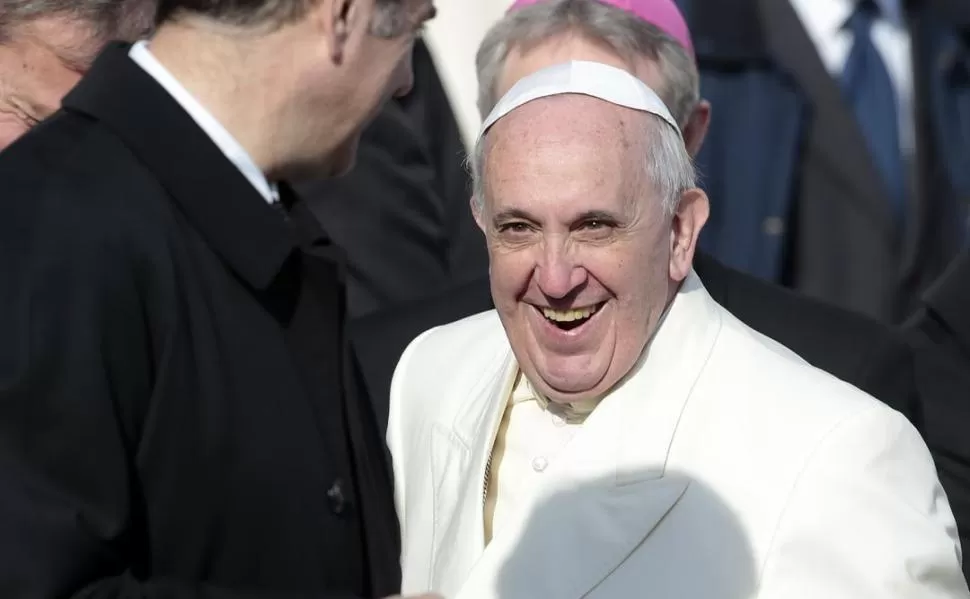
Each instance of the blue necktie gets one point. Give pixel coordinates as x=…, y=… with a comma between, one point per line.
x=870, y=92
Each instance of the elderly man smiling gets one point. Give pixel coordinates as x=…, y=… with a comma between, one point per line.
x=629, y=436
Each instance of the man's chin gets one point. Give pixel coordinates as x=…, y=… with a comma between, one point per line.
x=570, y=382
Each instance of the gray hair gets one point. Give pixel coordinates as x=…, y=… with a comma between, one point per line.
x=668, y=165
x=390, y=18
x=106, y=19
x=626, y=34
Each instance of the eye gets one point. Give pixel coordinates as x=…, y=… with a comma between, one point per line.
x=515, y=227
x=594, y=225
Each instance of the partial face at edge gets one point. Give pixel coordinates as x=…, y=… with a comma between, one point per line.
x=579, y=244
x=34, y=77
x=379, y=68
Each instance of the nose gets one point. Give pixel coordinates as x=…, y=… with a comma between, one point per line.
x=558, y=273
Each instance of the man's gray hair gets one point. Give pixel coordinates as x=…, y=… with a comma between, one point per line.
x=669, y=167
x=106, y=20
x=626, y=34
x=390, y=18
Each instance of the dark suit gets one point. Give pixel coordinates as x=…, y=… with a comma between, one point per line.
x=853, y=348
x=176, y=412
x=401, y=215
x=796, y=197
x=940, y=336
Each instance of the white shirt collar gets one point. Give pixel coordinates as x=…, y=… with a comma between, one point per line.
x=223, y=139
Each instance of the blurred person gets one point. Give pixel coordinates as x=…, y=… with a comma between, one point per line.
x=939, y=333
x=45, y=47
x=607, y=364
x=838, y=158
x=453, y=39
x=177, y=416
x=410, y=183
x=649, y=38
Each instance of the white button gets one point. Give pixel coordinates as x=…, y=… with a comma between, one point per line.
x=773, y=225
x=539, y=464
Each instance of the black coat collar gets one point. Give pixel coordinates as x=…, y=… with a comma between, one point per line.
x=217, y=199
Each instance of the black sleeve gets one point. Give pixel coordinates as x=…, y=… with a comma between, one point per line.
x=430, y=110
x=75, y=361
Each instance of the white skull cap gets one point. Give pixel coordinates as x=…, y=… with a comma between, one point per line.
x=581, y=77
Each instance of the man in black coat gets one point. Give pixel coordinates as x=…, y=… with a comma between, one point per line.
x=939, y=334
x=802, y=198
x=177, y=416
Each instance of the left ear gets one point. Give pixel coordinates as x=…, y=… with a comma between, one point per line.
x=685, y=228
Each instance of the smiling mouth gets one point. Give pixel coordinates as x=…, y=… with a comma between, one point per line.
x=568, y=320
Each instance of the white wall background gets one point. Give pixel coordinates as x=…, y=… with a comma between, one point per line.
x=453, y=37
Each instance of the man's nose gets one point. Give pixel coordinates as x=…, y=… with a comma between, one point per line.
x=558, y=273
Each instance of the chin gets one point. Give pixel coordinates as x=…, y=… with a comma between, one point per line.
x=570, y=379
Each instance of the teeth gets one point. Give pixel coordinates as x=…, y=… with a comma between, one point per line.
x=569, y=315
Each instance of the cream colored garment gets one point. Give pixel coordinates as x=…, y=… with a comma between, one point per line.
x=725, y=467
x=532, y=433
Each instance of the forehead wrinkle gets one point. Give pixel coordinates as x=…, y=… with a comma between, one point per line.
x=563, y=118
x=544, y=143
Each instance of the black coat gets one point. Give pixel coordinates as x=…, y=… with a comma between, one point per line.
x=940, y=337
x=851, y=347
x=177, y=416
x=795, y=195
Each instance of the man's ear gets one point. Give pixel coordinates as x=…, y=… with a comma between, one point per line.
x=685, y=228
x=696, y=129
x=336, y=26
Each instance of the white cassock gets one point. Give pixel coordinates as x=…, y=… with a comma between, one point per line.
x=723, y=467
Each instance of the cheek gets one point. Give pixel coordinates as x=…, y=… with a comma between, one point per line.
x=637, y=276
x=510, y=272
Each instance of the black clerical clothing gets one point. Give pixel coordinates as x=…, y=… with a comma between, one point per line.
x=939, y=333
x=177, y=416
x=856, y=349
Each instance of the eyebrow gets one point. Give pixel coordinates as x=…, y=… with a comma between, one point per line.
x=511, y=214
x=597, y=215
